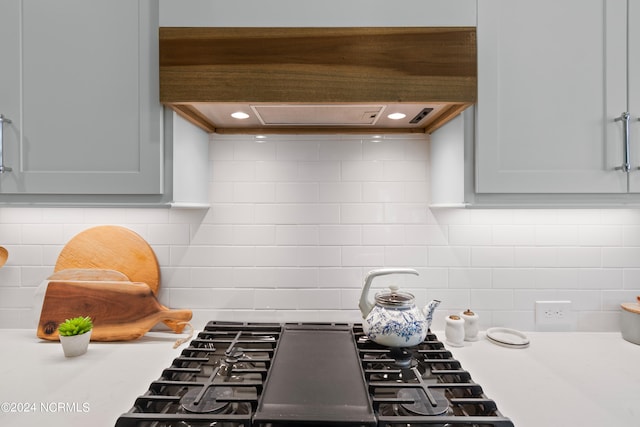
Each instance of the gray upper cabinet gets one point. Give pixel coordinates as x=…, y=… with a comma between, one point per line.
x=552, y=79
x=79, y=82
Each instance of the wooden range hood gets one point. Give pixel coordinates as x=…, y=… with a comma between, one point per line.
x=318, y=80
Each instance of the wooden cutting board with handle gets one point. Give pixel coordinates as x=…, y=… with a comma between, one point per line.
x=120, y=310
x=111, y=247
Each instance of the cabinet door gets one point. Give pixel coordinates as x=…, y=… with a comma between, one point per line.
x=90, y=119
x=9, y=80
x=551, y=81
x=634, y=93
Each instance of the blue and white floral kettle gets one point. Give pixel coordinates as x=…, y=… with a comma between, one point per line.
x=394, y=320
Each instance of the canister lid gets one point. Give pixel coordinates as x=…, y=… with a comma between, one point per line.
x=631, y=306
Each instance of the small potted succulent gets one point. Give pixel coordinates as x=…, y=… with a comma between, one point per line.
x=75, y=335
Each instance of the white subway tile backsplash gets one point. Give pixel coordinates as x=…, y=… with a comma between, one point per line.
x=405, y=170
x=470, y=278
x=21, y=216
x=231, y=214
x=274, y=256
x=405, y=256
x=297, y=150
x=581, y=300
x=63, y=216
x=341, y=150
x=11, y=234
x=227, y=170
x=361, y=256
x=41, y=233
x=513, y=235
x=556, y=278
x=600, y=235
x=513, y=278
x=383, y=192
x=556, y=235
x=221, y=192
x=621, y=257
x=470, y=235
x=319, y=171
x=254, y=192
x=482, y=256
x=297, y=192
x=297, y=235
x=601, y=278
x=297, y=214
x=449, y=256
x=208, y=234
x=363, y=170
x=362, y=213
x=611, y=300
x=276, y=299
x=253, y=235
x=491, y=299
x=254, y=150
x=11, y=276
x=276, y=171
x=319, y=256
x=340, y=192
x=525, y=299
x=341, y=277
x=383, y=235
x=16, y=297
x=579, y=257
x=630, y=235
x=579, y=216
x=382, y=149
x=405, y=213
x=416, y=191
x=318, y=299
x=429, y=235
x=536, y=257
x=598, y=321
x=168, y=234
x=340, y=235
x=296, y=222
x=630, y=278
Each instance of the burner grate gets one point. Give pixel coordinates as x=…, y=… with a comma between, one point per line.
x=423, y=386
x=220, y=379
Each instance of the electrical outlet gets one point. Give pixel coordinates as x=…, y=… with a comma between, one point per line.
x=554, y=316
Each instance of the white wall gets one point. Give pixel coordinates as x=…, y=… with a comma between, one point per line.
x=296, y=222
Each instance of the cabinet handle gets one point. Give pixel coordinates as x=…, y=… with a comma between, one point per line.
x=626, y=166
x=3, y=168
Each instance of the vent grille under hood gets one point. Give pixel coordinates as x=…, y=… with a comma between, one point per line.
x=318, y=79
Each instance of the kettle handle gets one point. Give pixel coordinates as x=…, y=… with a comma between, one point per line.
x=365, y=303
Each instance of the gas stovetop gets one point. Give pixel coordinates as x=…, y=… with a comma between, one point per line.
x=259, y=374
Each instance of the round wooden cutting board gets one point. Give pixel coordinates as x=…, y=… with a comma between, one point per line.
x=112, y=247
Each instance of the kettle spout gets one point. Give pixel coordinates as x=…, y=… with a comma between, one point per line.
x=366, y=305
x=428, y=311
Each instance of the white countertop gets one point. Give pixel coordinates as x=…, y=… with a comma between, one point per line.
x=94, y=389
x=561, y=379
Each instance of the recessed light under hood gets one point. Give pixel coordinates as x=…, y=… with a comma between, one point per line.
x=318, y=79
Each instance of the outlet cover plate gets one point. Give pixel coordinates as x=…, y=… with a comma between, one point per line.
x=554, y=316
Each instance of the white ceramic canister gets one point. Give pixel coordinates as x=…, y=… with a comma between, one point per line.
x=630, y=322
x=454, y=331
x=470, y=325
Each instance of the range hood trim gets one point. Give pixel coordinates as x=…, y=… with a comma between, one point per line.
x=322, y=66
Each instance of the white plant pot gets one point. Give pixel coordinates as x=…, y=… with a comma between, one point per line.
x=75, y=345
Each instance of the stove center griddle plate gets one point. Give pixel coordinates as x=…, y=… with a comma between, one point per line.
x=316, y=377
